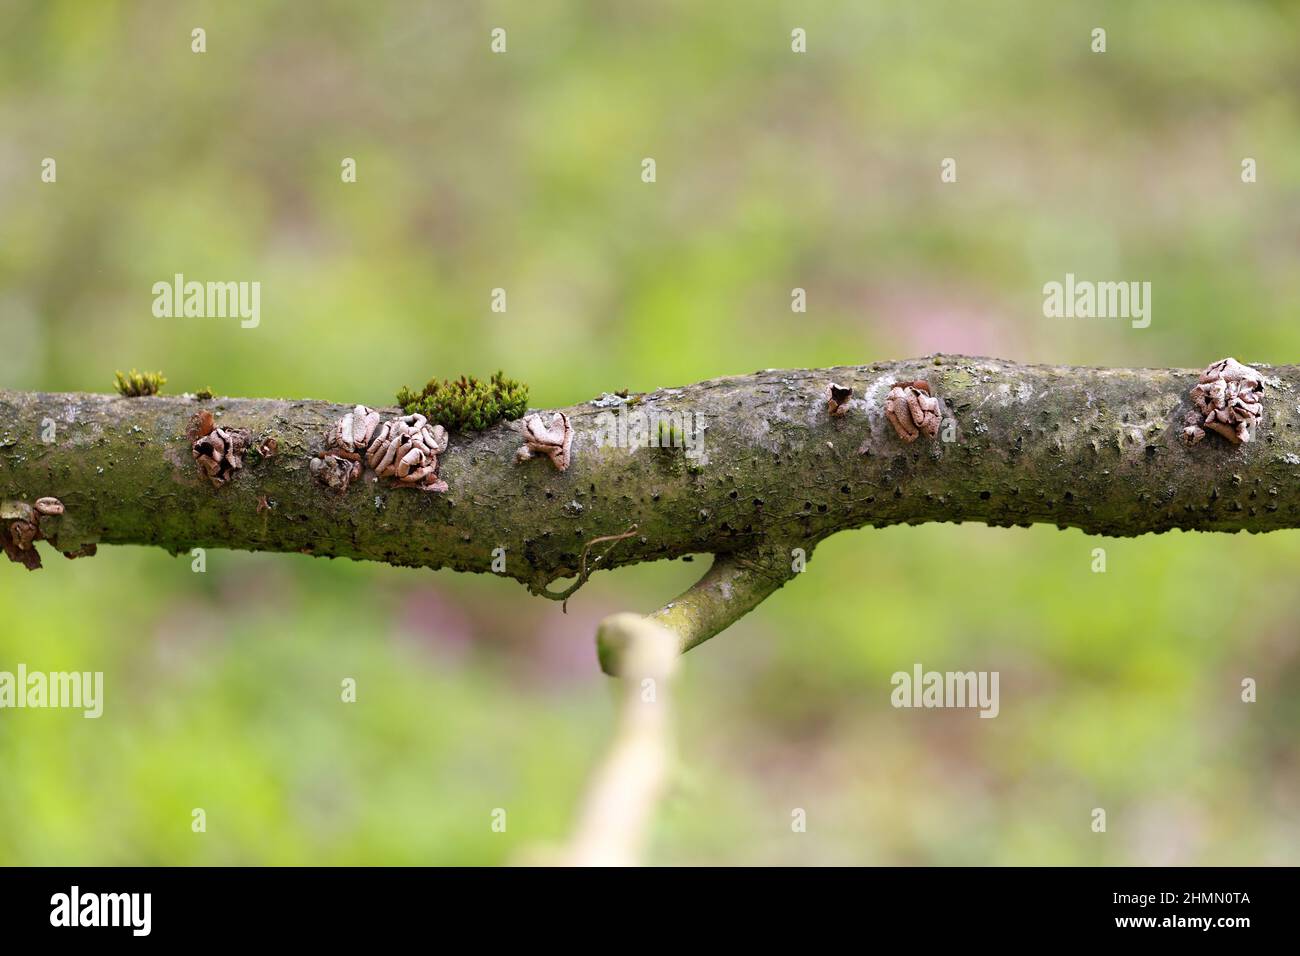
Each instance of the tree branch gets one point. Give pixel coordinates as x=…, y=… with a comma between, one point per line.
x=625, y=790
x=1097, y=449
x=735, y=585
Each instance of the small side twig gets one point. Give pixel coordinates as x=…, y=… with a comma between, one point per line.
x=583, y=571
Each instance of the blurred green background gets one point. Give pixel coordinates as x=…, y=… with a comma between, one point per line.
x=775, y=170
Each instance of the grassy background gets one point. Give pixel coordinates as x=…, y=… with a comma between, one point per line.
x=775, y=170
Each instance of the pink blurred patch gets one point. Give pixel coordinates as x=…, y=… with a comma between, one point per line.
x=917, y=321
x=534, y=639
x=436, y=622
x=563, y=646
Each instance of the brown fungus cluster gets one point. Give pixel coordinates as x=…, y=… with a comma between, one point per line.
x=837, y=399
x=354, y=430
x=335, y=468
x=21, y=527
x=48, y=506
x=912, y=410
x=1229, y=400
x=219, y=452
x=267, y=446
x=345, y=442
x=405, y=449
x=552, y=440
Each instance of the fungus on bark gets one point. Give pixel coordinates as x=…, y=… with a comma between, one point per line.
x=552, y=440
x=407, y=449
x=219, y=452
x=20, y=529
x=266, y=446
x=912, y=410
x=345, y=442
x=1229, y=400
x=354, y=430
x=837, y=399
x=16, y=551
x=336, y=468
x=23, y=532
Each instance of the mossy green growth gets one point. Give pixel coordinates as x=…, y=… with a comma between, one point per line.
x=205, y=394
x=467, y=404
x=134, y=383
x=671, y=436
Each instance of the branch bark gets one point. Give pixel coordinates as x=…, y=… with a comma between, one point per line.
x=1097, y=449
